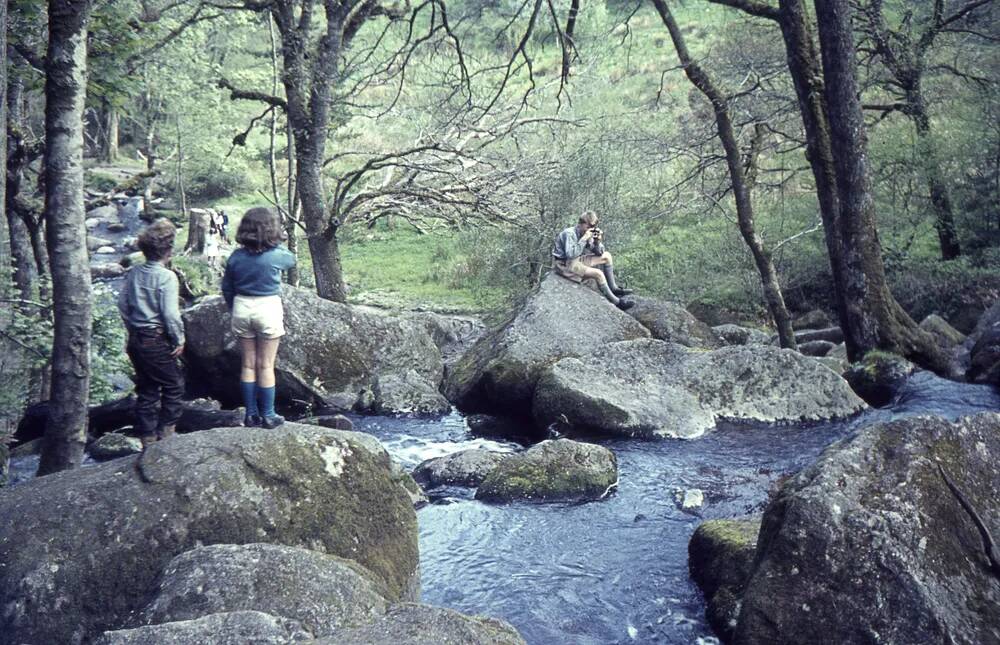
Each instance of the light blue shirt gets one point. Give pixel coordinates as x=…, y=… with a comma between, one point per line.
x=149, y=299
x=568, y=246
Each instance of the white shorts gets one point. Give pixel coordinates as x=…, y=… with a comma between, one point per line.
x=258, y=316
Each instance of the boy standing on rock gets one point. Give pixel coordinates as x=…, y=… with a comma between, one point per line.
x=148, y=303
x=578, y=254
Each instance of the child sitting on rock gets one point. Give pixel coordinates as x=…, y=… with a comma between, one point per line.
x=148, y=303
x=251, y=286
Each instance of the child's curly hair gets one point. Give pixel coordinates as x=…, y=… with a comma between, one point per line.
x=259, y=230
x=156, y=241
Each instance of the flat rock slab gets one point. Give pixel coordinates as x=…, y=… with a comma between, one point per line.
x=560, y=319
x=558, y=470
x=869, y=544
x=412, y=624
x=321, y=592
x=650, y=388
x=233, y=628
x=68, y=575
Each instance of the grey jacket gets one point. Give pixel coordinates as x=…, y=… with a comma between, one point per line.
x=149, y=298
x=568, y=246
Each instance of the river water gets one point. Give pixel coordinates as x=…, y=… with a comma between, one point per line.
x=615, y=571
x=612, y=571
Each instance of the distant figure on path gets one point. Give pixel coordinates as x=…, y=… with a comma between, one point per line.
x=148, y=303
x=212, y=245
x=578, y=254
x=251, y=286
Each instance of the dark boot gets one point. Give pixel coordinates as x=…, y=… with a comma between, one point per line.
x=272, y=421
x=609, y=273
x=147, y=440
x=166, y=432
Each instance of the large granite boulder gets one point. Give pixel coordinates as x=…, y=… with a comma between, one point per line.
x=334, y=356
x=321, y=592
x=411, y=624
x=673, y=323
x=80, y=550
x=114, y=445
x=720, y=557
x=557, y=470
x=651, y=388
x=560, y=319
x=870, y=544
x=947, y=337
x=232, y=628
x=813, y=319
x=453, y=334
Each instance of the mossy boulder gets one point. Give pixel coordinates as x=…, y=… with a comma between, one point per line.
x=320, y=591
x=334, y=356
x=69, y=575
x=946, y=336
x=559, y=470
x=114, y=445
x=870, y=544
x=813, y=319
x=979, y=355
x=230, y=628
x=559, y=319
x=720, y=557
x=673, y=323
x=879, y=377
x=816, y=348
x=649, y=388
x=463, y=468
x=412, y=624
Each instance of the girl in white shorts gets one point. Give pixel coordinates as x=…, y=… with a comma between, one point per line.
x=251, y=286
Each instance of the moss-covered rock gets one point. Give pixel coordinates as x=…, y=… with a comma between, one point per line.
x=671, y=322
x=720, y=557
x=946, y=336
x=735, y=335
x=69, y=575
x=870, y=544
x=114, y=445
x=552, y=471
x=879, y=376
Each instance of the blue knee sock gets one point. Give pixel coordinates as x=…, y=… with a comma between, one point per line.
x=249, y=391
x=266, y=401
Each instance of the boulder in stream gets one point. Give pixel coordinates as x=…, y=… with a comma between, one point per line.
x=871, y=543
x=68, y=575
x=561, y=318
x=230, y=628
x=720, y=557
x=463, y=468
x=650, y=388
x=879, y=377
x=334, y=356
x=556, y=470
x=412, y=624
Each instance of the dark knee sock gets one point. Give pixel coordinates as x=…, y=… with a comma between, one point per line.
x=249, y=392
x=266, y=400
x=609, y=273
x=606, y=290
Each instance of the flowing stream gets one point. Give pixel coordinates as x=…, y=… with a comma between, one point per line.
x=615, y=571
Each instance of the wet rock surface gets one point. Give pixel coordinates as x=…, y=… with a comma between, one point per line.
x=870, y=540
x=650, y=388
x=463, y=468
x=411, y=624
x=232, y=628
x=114, y=445
x=879, y=377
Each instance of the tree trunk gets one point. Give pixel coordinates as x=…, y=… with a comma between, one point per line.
x=65, y=89
x=292, y=275
x=944, y=219
x=181, y=194
x=25, y=271
x=148, y=212
x=308, y=78
x=197, y=228
x=876, y=320
x=741, y=189
x=111, y=129
x=6, y=254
